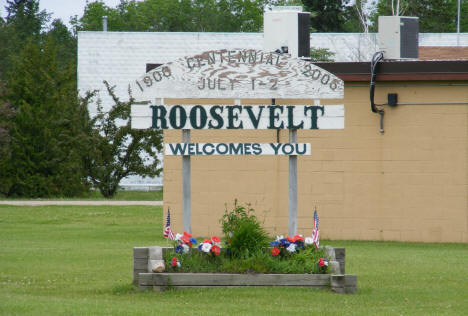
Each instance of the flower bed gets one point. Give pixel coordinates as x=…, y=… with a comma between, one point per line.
x=246, y=257
x=337, y=282
x=246, y=248
x=287, y=255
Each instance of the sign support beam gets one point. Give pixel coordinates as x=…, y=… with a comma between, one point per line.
x=292, y=228
x=186, y=186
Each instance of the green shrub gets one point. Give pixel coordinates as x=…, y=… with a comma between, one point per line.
x=230, y=220
x=243, y=232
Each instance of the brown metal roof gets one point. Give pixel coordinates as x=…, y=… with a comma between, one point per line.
x=400, y=70
x=443, y=52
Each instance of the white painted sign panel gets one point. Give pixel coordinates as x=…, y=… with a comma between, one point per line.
x=234, y=149
x=241, y=73
x=238, y=117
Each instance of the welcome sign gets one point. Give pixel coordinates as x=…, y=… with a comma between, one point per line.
x=238, y=73
x=239, y=117
x=241, y=73
x=235, y=117
x=225, y=149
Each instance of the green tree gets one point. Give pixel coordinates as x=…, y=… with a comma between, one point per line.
x=92, y=18
x=48, y=135
x=6, y=48
x=438, y=16
x=321, y=54
x=66, y=44
x=175, y=16
x=330, y=15
x=116, y=150
x=7, y=113
x=24, y=16
x=24, y=21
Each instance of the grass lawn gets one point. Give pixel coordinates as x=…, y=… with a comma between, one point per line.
x=119, y=196
x=77, y=260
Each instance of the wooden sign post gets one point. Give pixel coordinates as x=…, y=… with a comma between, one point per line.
x=237, y=74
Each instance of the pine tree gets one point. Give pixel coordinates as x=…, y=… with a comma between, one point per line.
x=25, y=17
x=48, y=136
x=66, y=43
x=23, y=22
x=7, y=114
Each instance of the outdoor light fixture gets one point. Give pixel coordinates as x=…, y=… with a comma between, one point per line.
x=392, y=99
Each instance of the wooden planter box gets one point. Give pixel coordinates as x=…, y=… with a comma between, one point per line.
x=339, y=283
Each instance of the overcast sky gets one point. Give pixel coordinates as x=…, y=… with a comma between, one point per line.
x=63, y=9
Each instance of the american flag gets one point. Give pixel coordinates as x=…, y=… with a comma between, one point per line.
x=167, y=229
x=315, y=233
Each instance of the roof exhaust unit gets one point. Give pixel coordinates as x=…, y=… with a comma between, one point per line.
x=398, y=37
x=287, y=30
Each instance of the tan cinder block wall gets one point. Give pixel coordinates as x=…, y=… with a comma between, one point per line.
x=410, y=184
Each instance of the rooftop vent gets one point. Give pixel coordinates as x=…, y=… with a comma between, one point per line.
x=399, y=37
x=287, y=31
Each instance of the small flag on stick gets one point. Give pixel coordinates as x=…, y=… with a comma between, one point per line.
x=167, y=233
x=315, y=233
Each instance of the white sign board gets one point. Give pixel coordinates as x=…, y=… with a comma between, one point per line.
x=237, y=74
x=234, y=149
x=238, y=117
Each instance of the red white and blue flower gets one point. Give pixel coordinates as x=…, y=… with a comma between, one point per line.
x=175, y=262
